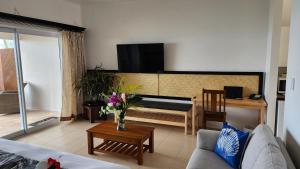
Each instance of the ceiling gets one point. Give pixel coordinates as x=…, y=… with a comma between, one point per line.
x=85, y=1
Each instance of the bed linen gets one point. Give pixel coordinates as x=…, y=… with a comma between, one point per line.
x=67, y=160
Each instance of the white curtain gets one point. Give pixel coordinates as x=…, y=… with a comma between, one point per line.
x=73, y=69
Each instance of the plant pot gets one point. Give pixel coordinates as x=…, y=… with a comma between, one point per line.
x=92, y=103
x=103, y=117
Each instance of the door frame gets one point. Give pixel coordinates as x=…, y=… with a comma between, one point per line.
x=19, y=73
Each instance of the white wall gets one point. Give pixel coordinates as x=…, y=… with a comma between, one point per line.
x=200, y=35
x=286, y=12
x=284, y=46
x=285, y=30
x=274, y=26
x=292, y=111
x=52, y=10
x=41, y=68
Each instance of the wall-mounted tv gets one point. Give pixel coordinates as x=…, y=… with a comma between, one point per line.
x=141, y=58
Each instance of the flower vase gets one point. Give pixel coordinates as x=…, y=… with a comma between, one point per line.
x=121, y=122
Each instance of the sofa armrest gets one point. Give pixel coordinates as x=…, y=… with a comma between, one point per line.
x=207, y=139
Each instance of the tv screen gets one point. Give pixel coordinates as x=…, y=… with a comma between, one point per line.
x=141, y=58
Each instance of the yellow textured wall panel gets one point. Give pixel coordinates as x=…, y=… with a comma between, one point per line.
x=187, y=85
x=147, y=81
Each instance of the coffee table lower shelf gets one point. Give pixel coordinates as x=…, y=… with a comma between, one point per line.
x=115, y=147
x=119, y=148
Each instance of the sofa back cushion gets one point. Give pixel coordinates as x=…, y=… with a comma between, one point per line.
x=263, y=152
x=289, y=162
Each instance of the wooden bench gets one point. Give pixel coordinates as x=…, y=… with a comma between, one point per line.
x=166, y=113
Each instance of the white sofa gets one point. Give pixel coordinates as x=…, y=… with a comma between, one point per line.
x=67, y=160
x=263, y=151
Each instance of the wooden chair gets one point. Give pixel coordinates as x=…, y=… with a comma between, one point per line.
x=213, y=106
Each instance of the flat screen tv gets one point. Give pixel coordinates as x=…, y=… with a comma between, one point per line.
x=141, y=58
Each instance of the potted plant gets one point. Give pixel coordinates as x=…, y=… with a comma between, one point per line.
x=92, y=84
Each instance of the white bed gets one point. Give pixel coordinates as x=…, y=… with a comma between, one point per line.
x=67, y=160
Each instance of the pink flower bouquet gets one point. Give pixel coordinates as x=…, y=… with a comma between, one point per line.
x=118, y=103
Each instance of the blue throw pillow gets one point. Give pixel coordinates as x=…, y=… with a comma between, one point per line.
x=231, y=144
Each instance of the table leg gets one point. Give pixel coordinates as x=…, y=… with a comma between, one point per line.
x=200, y=115
x=185, y=123
x=90, y=143
x=193, y=118
x=151, y=143
x=262, y=115
x=140, y=153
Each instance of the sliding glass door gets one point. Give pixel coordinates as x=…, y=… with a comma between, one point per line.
x=41, y=67
x=30, y=80
x=12, y=114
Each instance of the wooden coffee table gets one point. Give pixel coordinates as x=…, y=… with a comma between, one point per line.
x=129, y=142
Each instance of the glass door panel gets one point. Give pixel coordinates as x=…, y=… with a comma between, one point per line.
x=10, y=119
x=41, y=67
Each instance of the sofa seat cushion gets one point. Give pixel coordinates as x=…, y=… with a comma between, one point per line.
x=204, y=159
x=263, y=151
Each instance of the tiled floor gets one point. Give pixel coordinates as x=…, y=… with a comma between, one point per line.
x=10, y=123
x=172, y=148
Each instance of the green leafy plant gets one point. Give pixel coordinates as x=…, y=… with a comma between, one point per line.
x=95, y=82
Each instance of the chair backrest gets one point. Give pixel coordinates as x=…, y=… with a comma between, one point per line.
x=213, y=101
